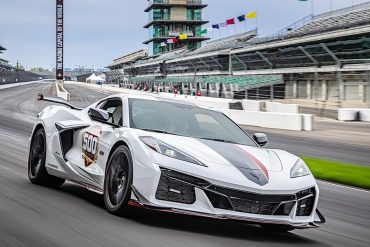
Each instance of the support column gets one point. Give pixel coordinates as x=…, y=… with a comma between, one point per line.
x=361, y=93
x=309, y=89
x=295, y=89
x=341, y=96
x=324, y=86
x=230, y=65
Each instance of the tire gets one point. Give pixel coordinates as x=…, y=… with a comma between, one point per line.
x=118, y=181
x=277, y=228
x=37, y=172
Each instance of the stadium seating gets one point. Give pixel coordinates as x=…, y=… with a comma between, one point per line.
x=225, y=43
x=348, y=17
x=246, y=81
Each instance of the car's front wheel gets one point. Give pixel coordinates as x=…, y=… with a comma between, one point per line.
x=36, y=162
x=118, y=181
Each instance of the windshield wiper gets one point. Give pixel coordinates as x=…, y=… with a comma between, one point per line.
x=159, y=131
x=219, y=140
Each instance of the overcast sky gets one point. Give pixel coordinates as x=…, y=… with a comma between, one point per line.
x=96, y=31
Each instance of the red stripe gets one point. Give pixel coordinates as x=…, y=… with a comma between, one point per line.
x=256, y=161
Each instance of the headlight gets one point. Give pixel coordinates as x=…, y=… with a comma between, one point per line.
x=299, y=169
x=168, y=151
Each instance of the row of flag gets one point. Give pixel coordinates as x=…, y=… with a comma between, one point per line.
x=182, y=36
x=231, y=21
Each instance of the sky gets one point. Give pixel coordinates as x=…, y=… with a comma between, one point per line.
x=97, y=31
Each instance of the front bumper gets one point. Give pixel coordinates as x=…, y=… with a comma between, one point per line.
x=180, y=193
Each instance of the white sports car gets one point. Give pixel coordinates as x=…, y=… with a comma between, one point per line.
x=173, y=156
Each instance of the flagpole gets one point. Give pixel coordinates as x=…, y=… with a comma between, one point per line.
x=245, y=25
x=312, y=7
x=331, y=5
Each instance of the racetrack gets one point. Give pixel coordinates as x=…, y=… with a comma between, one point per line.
x=70, y=216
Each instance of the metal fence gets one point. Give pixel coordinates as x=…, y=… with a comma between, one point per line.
x=8, y=77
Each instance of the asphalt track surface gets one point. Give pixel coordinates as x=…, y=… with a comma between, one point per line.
x=70, y=216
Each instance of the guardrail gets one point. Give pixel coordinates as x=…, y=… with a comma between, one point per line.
x=61, y=92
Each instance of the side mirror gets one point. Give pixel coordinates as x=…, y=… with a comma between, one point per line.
x=260, y=138
x=98, y=115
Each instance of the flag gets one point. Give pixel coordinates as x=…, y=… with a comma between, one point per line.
x=222, y=24
x=170, y=41
x=174, y=40
x=215, y=26
x=241, y=18
x=183, y=36
x=230, y=21
x=204, y=31
x=163, y=44
x=251, y=15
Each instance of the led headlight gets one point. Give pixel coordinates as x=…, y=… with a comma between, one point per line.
x=299, y=169
x=168, y=150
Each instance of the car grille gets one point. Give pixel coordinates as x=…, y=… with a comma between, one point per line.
x=250, y=202
x=306, y=200
x=254, y=207
x=178, y=187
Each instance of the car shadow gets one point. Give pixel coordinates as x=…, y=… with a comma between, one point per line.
x=194, y=224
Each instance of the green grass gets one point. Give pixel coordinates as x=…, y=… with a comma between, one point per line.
x=339, y=172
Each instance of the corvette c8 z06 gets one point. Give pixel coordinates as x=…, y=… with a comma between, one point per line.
x=169, y=155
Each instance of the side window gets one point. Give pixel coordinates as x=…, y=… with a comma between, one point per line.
x=115, y=110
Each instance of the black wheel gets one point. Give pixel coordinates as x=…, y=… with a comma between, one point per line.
x=277, y=228
x=36, y=162
x=118, y=181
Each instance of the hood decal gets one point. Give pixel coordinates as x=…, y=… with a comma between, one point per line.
x=245, y=162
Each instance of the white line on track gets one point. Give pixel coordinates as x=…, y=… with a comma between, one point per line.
x=343, y=186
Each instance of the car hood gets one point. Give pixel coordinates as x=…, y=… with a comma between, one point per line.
x=253, y=162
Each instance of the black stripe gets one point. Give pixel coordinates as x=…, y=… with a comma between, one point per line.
x=236, y=157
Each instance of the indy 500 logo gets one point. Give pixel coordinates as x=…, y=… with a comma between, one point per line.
x=89, y=148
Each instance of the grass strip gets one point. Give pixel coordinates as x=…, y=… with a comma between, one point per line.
x=339, y=172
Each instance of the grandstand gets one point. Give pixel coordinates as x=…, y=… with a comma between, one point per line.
x=322, y=58
x=10, y=74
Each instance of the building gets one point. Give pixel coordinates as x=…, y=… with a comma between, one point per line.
x=321, y=61
x=169, y=19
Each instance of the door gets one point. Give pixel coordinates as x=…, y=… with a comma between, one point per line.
x=91, y=150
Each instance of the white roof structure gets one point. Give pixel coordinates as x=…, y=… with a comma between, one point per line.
x=94, y=79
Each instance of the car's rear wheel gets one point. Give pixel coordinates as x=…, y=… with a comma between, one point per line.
x=36, y=162
x=118, y=181
x=277, y=228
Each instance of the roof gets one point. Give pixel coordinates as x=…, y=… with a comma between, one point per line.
x=131, y=57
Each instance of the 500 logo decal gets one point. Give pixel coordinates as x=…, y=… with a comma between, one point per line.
x=89, y=148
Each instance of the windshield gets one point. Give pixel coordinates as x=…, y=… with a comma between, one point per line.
x=185, y=120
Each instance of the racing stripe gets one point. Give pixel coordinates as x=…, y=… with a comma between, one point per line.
x=259, y=163
x=246, y=163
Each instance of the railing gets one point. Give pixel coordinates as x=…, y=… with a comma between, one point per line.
x=361, y=6
x=190, y=2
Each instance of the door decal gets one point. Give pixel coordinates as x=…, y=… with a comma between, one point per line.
x=90, y=145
